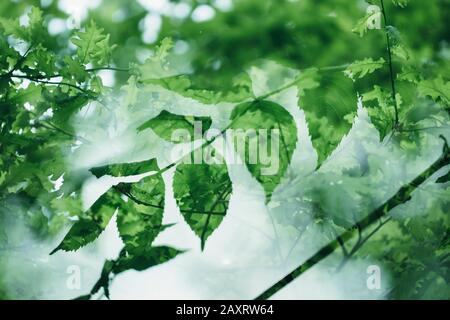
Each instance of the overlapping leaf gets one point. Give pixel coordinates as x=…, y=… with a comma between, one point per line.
x=436, y=89
x=166, y=123
x=202, y=193
x=93, y=45
x=329, y=110
x=90, y=224
x=139, y=220
x=126, y=169
x=262, y=126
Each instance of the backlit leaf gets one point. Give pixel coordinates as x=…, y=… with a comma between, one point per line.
x=265, y=136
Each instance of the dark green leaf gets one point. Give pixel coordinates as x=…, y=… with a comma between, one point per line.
x=202, y=193
x=90, y=225
x=139, y=219
x=125, y=169
x=166, y=123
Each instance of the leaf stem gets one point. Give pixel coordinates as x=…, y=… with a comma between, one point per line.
x=51, y=126
x=295, y=81
x=108, y=68
x=391, y=69
x=39, y=80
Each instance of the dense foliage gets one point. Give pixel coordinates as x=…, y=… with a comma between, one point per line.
x=67, y=93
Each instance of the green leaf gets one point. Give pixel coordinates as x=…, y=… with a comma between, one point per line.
x=359, y=69
x=90, y=224
x=22, y=120
x=165, y=123
x=104, y=50
x=39, y=61
x=363, y=24
x=139, y=219
x=162, y=51
x=12, y=27
x=326, y=108
x=126, y=169
x=131, y=92
x=36, y=28
x=307, y=80
x=31, y=94
x=400, y=52
x=263, y=125
x=93, y=45
x=32, y=33
x=149, y=257
x=382, y=114
x=102, y=282
x=444, y=179
x=436, y=89
x=159, y=66
x=409, y=74
x=202, y=193
x=74, y=70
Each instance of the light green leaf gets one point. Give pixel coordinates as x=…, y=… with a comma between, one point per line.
x=139, y=219
x=363, y=24
x=436, y=89
x=131, y=92
x=382, y=114
x=159, y=65
x=93, y=45
x=166, y=123
x=307, y=80
x=12, y=27
x=325, y=108
x=400, y=52
x=32, y=33
x=401, y=3
x=361, y=68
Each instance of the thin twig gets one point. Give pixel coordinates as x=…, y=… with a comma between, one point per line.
x=360, y=243
x=52, y=126
x=50, y=82
x=391, y=69
x=108, y=68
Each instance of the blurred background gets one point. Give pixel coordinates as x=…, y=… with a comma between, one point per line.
x=223, y=37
